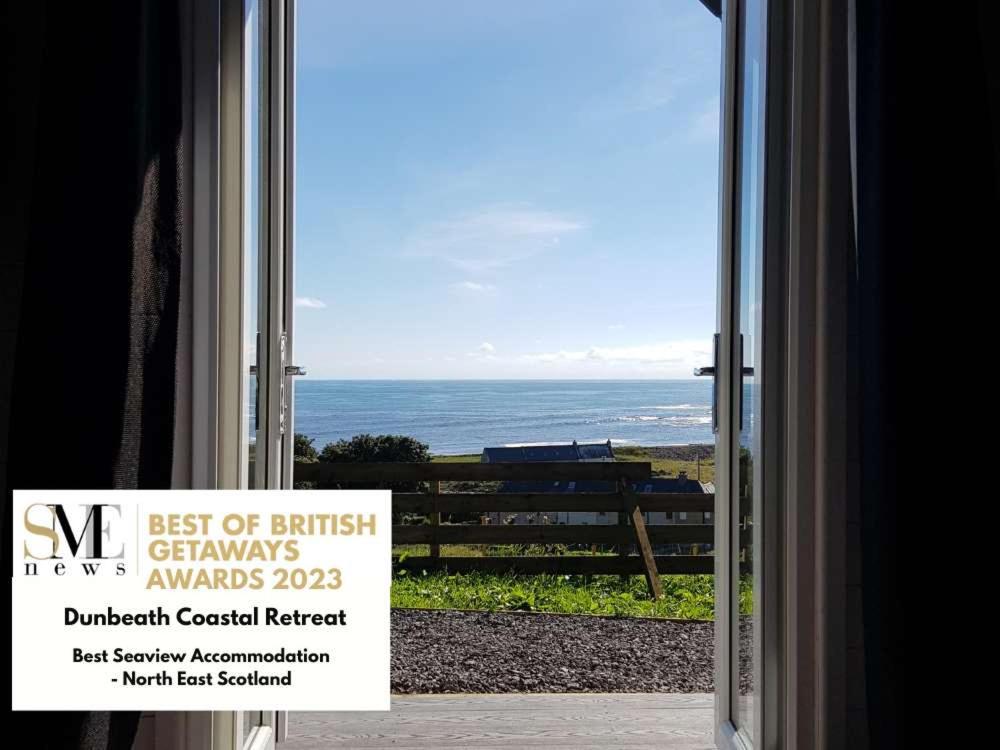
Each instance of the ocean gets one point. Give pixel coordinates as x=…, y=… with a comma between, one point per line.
x=464, y=416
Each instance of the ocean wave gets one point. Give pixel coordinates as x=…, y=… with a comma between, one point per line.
x=679, y=407
x=687, y=421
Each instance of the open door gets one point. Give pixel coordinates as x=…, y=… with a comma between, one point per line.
x=748, y=648
x=267, y=131
x=255, y=230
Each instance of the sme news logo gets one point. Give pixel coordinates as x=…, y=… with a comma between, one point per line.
x=80, y=538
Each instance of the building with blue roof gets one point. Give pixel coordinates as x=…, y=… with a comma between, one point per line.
x=574, y=451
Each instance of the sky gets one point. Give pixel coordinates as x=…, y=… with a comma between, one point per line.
x=506, y=190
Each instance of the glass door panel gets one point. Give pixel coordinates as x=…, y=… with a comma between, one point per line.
x=253, y=235
x=266, y=269
x=250, y=727
x=748, y=256
x=740, y=377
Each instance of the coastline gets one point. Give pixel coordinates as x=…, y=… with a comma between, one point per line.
x=677, y=452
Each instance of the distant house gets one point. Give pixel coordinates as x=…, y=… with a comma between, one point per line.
x=679, y=484
x=586, y=452
x=551, y=452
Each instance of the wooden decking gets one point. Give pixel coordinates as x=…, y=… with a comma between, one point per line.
x=489, y=722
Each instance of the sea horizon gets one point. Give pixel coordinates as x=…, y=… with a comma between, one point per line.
x=311, y=379
x=463, y=416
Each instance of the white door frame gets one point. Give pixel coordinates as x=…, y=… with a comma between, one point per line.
x=772, y=564
x=275, y=285
x=211, y=452
x=801, y=534
x=726, y=735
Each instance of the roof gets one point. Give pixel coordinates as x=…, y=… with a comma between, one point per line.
x=556, y=452
x=591, y=451
x=654, y=485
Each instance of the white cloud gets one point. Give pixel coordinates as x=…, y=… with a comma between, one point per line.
x=616, y=327
x=472, y=288
x=485, y=351
x=682, y=356
x=310, y=302
x=491, y=238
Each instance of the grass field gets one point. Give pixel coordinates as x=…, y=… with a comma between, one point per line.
x=467, y=458
x=668, y=467
x=662, y=467
x=685, y=597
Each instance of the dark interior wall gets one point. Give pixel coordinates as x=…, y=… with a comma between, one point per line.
x=21, y=28
x=928, y=127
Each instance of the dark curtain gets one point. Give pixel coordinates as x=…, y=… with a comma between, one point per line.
x=928, y=138
x=95, y=259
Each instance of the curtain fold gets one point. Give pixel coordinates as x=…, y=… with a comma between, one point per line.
x=927, y=133
x=93, y=376
x=881, y=196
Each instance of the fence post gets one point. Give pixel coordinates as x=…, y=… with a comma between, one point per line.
x=623, y=549
x=631, y=500
x=435, y=490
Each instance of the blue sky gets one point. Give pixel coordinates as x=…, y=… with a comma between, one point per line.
x=506, y=190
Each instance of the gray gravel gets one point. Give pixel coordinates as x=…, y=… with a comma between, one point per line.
x=483, y=652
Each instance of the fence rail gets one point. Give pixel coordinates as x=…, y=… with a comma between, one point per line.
x=535, y=502
x=563, y=564
x=627, y=505
x=548, y=534
x=471, y=472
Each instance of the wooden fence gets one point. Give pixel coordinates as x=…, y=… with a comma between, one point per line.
x=628, y=505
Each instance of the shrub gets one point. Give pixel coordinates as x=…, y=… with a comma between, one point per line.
x=377, y=448
x=366, y=448
x=304, y=450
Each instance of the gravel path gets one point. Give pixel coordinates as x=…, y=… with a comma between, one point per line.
x=447, y=651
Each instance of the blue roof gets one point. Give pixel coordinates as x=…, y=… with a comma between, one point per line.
x=595, y=450
x=563, y=452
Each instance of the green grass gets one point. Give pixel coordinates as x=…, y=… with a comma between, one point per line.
x=447, y=550
x=668, y=467
x=662, y=467
x=684, y=597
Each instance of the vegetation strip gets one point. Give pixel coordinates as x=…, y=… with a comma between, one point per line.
x=685, y=597
x=530, y=613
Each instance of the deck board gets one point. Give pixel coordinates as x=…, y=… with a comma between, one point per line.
x=492, y=722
